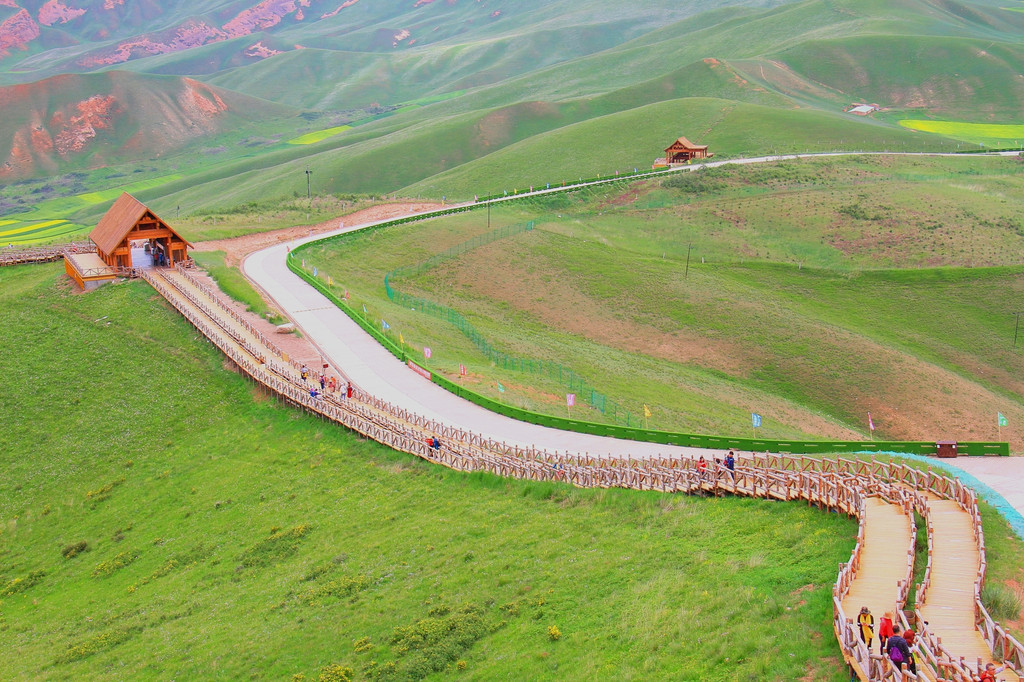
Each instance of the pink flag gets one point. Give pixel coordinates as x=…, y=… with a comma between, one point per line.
x=462, y=369
x=871, y=424
x=426, y=352
x=570, y=399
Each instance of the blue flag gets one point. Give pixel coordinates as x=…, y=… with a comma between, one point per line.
x=756, y=419
x=385, y=325
x=364, y=308
x=314, y=271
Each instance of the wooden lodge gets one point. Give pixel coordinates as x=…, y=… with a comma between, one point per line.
x=128, y=237
x=680, y=152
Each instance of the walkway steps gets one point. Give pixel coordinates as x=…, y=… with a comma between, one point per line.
x=883, y=562
x=949, y=603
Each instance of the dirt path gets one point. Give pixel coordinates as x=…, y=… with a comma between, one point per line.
x=237, y=248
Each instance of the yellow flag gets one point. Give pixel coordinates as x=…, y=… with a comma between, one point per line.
x=647, y=411
x=401, y=339
x=330, y=282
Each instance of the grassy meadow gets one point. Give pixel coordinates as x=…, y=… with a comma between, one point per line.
x=817, y=291
x=163, y=519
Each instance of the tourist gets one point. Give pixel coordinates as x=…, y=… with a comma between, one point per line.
x=304, y=373
x=702, y=466
x=730, y=464
x=313, y=393
x=436, y=444
x=990, y=671
x=885, y=631
x=867, y=626
x=323, y=383
x=899, y=654
x=348, y=390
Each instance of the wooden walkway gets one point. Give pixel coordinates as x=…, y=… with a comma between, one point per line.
x=888, y=538
x=880, y=494
x=949, y=603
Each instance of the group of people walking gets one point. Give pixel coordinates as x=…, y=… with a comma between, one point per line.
x=896, y=646
x=328, y=384
x=729, y=463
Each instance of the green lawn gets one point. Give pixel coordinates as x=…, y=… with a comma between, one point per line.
x=227, y=536
x=816, y=292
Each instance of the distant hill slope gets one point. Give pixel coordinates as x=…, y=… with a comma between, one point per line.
x=83, y=121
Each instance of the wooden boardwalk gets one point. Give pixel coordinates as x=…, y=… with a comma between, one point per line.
x=888, y=538
x=875, y=577
x=949, y=602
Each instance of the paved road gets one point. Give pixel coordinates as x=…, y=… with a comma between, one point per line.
x=375, y=370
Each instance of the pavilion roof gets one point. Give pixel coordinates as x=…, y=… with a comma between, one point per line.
x=683, y=142
x=119, y=220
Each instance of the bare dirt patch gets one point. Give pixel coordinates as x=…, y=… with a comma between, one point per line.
x=237, y=248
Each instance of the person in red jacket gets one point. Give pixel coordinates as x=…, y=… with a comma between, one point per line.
x=885, y=631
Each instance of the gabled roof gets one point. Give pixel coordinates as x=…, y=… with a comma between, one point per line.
x=125, y=213
x=687, y=144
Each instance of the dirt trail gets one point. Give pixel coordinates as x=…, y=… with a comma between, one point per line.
x=238, y=248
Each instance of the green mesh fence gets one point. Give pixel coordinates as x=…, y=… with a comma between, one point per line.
x=552, y=370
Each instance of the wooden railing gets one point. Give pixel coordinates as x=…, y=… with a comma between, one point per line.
x=838, y=484
x=43, y=254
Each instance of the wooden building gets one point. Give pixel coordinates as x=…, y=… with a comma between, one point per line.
x=128, y=221
x=682, y=151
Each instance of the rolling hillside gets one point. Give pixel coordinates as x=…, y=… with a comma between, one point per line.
x=88, y=121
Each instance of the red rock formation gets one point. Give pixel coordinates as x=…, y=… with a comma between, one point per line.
x=261, y=51
x=264, y=15
x=95, y=113
x=17, y=32
x=54, y=11
x=190, y=34
x=347, y=3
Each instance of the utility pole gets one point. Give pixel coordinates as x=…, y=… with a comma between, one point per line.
x=308, y=173
x=1016, y=326
x=488, y=214
x=686, y=273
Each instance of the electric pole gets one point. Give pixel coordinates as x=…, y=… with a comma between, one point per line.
x=308, y=193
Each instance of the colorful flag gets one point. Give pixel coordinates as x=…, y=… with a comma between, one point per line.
x=330, y=281
x=427, y=352
x=755, y=419
x=303, y=263
x=570, y=399
x=364, y=309
x=647, y=411
x=462, y=369
x=871, y=423
x=314, y=271
x=401, y=339
x=1001, y=420
x=385, y=325
x=501, y=389
x=346, y=294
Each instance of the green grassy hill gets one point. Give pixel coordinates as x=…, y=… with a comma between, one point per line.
x=163, y=519
x=816, y=292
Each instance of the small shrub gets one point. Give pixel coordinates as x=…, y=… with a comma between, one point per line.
x=362, y=644
x=1003, y=604
x=278, y=545
x=22, y=584
x=105, y=568
x=336, y=672
x=74, y=549
x=100, y=494
x=461, y=665
x=554, y=634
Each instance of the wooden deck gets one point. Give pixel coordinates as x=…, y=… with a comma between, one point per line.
x=883, y=562
x=949, y=604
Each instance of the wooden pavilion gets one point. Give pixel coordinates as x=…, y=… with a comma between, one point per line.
x=682, y=151
x=127, y=224
x=128, y=221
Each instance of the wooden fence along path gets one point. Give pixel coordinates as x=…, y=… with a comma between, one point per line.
x=881, y=495
x=43, y=254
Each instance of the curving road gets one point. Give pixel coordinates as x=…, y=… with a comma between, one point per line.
x=369, y=366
